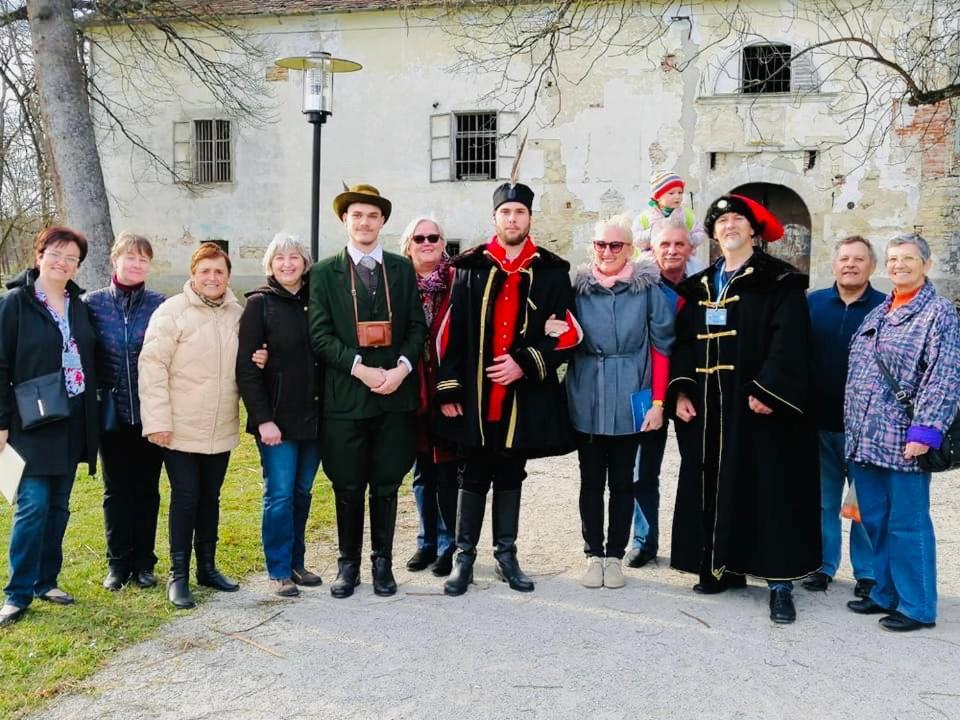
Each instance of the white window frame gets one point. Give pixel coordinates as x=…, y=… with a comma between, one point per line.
x=443, y=145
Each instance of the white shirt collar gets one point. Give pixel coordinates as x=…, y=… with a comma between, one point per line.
x=355, y=255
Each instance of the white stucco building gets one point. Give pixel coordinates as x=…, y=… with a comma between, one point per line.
x=409, y=125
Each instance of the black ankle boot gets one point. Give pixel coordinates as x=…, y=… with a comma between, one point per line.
x=207, y=573
x=470, y=507
x=178, y=588
x=349, y=507
x=383, y=523
x=506, y=523
x=348, y=577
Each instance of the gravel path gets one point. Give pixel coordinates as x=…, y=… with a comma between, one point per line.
x=651, y=650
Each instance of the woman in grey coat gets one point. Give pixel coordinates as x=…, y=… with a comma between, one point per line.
x=616, y=383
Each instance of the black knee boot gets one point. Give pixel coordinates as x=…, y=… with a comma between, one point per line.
x=506, y=523
x=207, y=573
x=349, y=506
x=383, y=522
x=470, y=507
x=178, y=588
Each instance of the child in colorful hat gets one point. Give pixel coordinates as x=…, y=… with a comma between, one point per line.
x=666, y=197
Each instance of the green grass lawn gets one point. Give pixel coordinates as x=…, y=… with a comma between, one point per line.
x=53, y=648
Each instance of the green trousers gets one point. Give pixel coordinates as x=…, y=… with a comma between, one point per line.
x=377, y=452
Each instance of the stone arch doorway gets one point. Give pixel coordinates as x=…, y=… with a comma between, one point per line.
x=792, y=212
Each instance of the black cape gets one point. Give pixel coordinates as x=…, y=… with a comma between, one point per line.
x=535, y=408
x=750, y=496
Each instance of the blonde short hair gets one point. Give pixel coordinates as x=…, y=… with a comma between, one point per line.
x=285, y=242
x=127, y=241
x=621, y=222
x=412, y=227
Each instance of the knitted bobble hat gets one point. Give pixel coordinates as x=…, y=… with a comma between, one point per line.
x=662, y=182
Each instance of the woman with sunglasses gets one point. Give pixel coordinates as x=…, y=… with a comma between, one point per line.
x=435, y=473
x=616, y=384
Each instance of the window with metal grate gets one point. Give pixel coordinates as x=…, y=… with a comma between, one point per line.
x=765, y=69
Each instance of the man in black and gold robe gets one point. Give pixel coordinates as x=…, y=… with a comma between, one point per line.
x=749, y=503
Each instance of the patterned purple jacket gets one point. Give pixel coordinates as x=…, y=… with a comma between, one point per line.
x=920, y=345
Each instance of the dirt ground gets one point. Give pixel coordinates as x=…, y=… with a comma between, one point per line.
x=651, y=650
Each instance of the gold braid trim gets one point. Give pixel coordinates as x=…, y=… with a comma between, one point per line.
x=715, y=368
x=711, y=336
x=483, y=327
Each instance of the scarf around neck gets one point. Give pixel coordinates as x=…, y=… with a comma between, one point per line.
x=209, y=302
x=608, y=281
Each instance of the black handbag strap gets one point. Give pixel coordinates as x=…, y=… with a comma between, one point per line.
x=898, y=392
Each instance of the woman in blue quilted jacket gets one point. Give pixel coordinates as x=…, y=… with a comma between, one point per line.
x=131, y=465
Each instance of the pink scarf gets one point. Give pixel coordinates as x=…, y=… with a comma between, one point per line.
x=625, y=274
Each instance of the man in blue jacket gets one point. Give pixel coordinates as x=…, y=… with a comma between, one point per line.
x=836, y=313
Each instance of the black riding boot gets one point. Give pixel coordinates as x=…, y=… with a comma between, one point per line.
x=178, y=588
x=349, y=507
x=506, y=523
x=470, y=507
x=383, y=522
x=207, y=573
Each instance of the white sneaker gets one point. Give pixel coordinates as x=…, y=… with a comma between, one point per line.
x=593, y=577
x=613, y=573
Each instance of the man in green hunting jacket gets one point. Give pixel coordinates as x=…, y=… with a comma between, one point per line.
x=367, y=325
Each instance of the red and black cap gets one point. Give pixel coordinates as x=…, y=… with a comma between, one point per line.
x=763, y=222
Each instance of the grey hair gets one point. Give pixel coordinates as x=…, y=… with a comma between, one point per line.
x=284, y=242
x=621, y=222
x=850, y=240
x=911, y=239
x=411, y=227
x=675, y=221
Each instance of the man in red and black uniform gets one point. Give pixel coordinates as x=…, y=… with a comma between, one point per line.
x=499, y=395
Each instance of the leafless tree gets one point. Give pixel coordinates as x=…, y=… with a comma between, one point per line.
x=146, y=43
x=886, y=55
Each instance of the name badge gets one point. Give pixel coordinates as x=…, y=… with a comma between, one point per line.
x=71, y=360
x=717, y=316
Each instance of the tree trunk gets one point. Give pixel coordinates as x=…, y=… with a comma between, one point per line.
x=78, y=177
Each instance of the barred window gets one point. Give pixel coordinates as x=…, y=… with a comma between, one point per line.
x=202, y=151
x=765, y=69
x=476, y=146
x=472, y=146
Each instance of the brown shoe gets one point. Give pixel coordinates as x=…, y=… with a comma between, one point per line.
x=302, y=576
x=284, y=588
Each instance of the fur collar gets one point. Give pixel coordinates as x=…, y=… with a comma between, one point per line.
x=475, y=258
x=645, y=274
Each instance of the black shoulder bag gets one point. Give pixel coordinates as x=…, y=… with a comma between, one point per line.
x=947, y=456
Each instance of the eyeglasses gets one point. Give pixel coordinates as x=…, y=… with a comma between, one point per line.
x=906, y=260
x=615, y=246
x=421, y=239
x=57, y=257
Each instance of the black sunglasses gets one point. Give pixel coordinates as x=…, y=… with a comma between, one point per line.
x=421, y=239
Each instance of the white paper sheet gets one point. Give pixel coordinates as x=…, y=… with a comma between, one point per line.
x=11, y=470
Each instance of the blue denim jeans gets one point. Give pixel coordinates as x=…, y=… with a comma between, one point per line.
x=435, y=491
x=834, y=476
x=288, y=472
x=895, y=509
x=646, y=489
x=36, y=538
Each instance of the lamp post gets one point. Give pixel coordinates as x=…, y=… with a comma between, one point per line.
x=317, y=70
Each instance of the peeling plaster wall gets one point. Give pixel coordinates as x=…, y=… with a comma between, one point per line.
x=627, y=119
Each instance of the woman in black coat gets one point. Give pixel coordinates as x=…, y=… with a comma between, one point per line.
x=48, y=411
x=120, y=313
x=283, y=407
